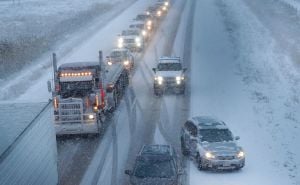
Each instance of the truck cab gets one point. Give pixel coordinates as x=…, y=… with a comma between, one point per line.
x=84, y=93
x=169, y=75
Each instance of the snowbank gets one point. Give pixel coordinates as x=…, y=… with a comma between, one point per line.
x=31, y=158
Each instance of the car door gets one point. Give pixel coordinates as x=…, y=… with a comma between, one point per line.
x=193, y=139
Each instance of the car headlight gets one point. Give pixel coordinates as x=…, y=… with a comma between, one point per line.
x=160, y=78
x=121, y=40
x=144, y=33
x=241, y=154
x=178, y=78
x=109, y=63
x=209, y=155
x=158, y=13
x=91, y=116
x=149, y=23
x=148, y=13
x=137, y=39
x=166, y=3
x=164, y=8
x=126, y=62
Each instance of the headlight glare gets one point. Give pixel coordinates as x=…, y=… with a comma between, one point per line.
x=91, y=116
x=241, y=154
x=209, y=155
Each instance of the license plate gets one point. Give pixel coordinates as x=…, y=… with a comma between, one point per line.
x=226, y=164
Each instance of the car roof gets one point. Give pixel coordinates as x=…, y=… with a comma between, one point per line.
x=208, y=122
x=156, y=153
x=156, y=150
x=165, y=59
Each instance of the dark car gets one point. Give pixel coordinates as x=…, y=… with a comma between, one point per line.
x=210, y=142
x=156, y=164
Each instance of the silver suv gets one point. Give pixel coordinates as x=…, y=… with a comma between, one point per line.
x=156, y=164
x=210, y=142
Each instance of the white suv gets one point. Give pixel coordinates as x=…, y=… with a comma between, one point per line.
x=169, y=75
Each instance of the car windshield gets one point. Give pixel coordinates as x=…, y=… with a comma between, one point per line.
x=215, y=135
x=169, y=67
x=154, y=169
x=117, y=54
x=141, y=17
x=130, y=32
x=139, y=26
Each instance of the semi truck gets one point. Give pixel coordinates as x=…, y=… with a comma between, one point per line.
x=85, y=93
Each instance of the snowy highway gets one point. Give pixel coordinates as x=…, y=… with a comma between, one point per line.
x=243, y=68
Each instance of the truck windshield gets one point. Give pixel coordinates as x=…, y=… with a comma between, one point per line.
x=215, y=135
x=169, y=67
x=76, y=89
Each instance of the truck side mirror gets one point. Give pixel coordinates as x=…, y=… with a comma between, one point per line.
x=128, y=172
x=49, y=86
x=154, y=70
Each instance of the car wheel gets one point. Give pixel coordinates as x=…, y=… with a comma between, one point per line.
x=184, y=150
x=199, y=162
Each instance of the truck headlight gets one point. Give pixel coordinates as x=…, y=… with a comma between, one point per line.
x=241, y=154
x=209, y=155
x=91, y=116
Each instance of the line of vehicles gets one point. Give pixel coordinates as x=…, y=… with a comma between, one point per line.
x=84, y=93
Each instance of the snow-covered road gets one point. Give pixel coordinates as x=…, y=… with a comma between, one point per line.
x=239, y=71
x=238, y=76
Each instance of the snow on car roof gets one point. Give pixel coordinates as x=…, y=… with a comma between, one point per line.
x=207, y=122
x=165, y=59
x=156, y=150
x=15, y=117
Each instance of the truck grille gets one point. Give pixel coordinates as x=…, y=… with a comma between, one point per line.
x=70, y=111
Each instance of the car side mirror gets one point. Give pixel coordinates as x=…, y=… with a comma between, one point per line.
x=237, y=138
x=49, y=86
x=154, y=70
x=128, y=172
